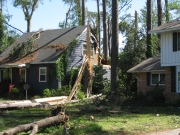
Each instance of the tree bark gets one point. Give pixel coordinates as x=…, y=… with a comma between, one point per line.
x=114, y=54
x=60, y=118
x=98, y=26
x=83, y=13
x=105, y=50
x=136, y=29
x=167, y=11
x=149, y=27
x=159, y=6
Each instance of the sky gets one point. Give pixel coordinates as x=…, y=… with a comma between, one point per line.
x=51, y=12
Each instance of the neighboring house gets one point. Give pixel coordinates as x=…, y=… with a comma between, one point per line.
x=152, y=70
x=37, y=67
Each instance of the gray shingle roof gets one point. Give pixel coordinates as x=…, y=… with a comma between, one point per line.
x=49, y=37
x=149, y=65
x=173, y=25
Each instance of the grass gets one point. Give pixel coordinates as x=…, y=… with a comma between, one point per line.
x=147, y=120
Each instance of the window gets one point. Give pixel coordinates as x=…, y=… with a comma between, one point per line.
x=6, y=75
x=22, y=75
x=42, y=74
x=176, y=41
x=85, y=50
x=156, y=78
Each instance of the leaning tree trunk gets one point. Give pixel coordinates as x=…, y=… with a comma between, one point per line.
x=149, y=22
x=60, y=118
x=114, y=54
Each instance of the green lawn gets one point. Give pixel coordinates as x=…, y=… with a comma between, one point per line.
x=148, y=119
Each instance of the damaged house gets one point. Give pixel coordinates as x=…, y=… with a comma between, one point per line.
x=33, y=56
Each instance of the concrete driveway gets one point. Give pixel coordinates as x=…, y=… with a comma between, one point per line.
x=169, y=132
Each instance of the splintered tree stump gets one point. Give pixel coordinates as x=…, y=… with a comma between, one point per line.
x=60, y=118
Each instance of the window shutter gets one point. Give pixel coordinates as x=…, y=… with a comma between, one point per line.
x=47, y=74
x=27, y=75
x=148, y=75
x=37, y=74
x=173, y=79
x=174, y=41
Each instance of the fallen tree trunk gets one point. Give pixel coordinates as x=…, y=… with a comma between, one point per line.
x=60, y=118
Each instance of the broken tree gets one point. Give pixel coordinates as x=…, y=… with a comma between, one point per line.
x=60, y=118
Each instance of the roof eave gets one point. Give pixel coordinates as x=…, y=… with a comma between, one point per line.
x=15, y=66
x=145, y=71
x=162, y=31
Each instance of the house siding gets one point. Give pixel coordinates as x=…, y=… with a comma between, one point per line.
x=108, y=70
x=143, y=87
x=38, y=87
x=77, y=53
x=168, y=57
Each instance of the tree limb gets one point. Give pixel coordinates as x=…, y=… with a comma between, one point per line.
x=13, y=27
x=60, y=118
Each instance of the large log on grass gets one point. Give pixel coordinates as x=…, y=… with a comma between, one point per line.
x=60, y=118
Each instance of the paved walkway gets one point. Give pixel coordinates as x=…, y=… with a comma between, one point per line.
x=169, y=132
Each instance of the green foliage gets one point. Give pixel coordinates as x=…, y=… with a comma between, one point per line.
x=63, y=62
x=80, y=93
x=128, y=59
x=3, y=37
x=155, y=96
x=74, y=15
x=17, y=93
x=24, y=48
x=47, y=93
x=61, y=91
x=98, y=84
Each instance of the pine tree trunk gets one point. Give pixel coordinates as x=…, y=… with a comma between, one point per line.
x=159, y=6
x=83, y=13
x=114, y=55
x=167, y=11
x=149, y=22
x=105, y=50
x=98, y=27
x=136, y=29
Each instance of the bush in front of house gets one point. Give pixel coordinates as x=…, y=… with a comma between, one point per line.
x=155, y=96
x=17, y=93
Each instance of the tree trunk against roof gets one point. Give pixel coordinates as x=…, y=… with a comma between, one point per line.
x=88, y=69
x=167, y=11
x=98, y=26
x=114, y=56
x=105, y=47
x=149, y=27
x=83, y=13
x=159, y=6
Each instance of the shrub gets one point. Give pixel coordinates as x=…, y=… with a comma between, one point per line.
x=46, y=93
x=155, y=96
x=16, y=93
